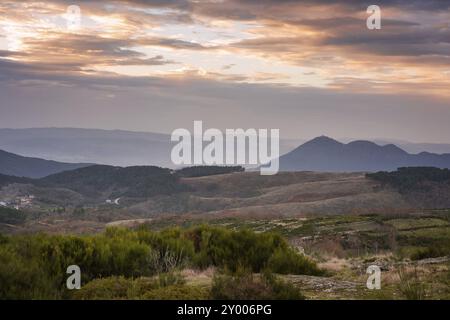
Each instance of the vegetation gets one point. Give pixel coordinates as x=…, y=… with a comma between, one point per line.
x=245, y=249
x=410, y=284
x=138, y=181
x=34, y=266
x=245, y=285
x=200, y=171
x=134, y=182
x=11, y=216
x=165, y=287
x=430, y=252
x=5, y=180
x=409, y=179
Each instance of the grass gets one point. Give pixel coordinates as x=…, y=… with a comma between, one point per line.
x=411, y=224
x=410, y=284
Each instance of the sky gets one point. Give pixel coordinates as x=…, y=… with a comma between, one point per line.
x=305, y=67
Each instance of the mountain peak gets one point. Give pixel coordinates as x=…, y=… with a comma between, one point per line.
x=323, y=140
x=394, y=149
x=20, y=166
x=362, y=143
x=318, y=144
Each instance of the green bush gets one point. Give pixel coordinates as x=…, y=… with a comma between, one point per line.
x=34, y=266
x=24, y=279
x=177, y=292
x=233, y=250
x=290, y=262
x=247, y=286
x=169, y=286
x=430, y=252
x=112, y=288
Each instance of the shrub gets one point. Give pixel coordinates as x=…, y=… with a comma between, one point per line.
x=430, y=252
x=247, y=286
x=112, y=288
x=23, y=279
x=34, y=266
x=233, y=250
x=165, y=287
x=177, y=292
x=170, y=246
x=170, y=279
x=290, y=262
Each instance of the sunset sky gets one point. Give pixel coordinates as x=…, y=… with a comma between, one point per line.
x=305, y=67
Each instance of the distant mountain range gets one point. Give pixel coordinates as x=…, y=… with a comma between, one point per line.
x=412, y=147
x=111, y=147
x=127, y=148
x=77, y=148
x=14, y=165
x=326, y=154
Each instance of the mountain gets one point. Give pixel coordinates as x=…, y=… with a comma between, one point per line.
x=414, y=147
x=15, y=165
x=408, y=146
x=110, y=147
x=326, y=154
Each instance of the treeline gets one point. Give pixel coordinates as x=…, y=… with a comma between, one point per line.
x=200, y=171
x=5, y=180
x=409, y=179
x=34, y=266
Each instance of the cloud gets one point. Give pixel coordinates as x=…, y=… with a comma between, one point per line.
x=235, y=63
x=173, y=43
x=163, y=104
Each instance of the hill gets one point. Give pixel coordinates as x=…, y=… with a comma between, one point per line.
x=15, y=165
x=109, y=181
x=5, y=180
x=424, y=186
x=329, y=155
x=111, y=147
